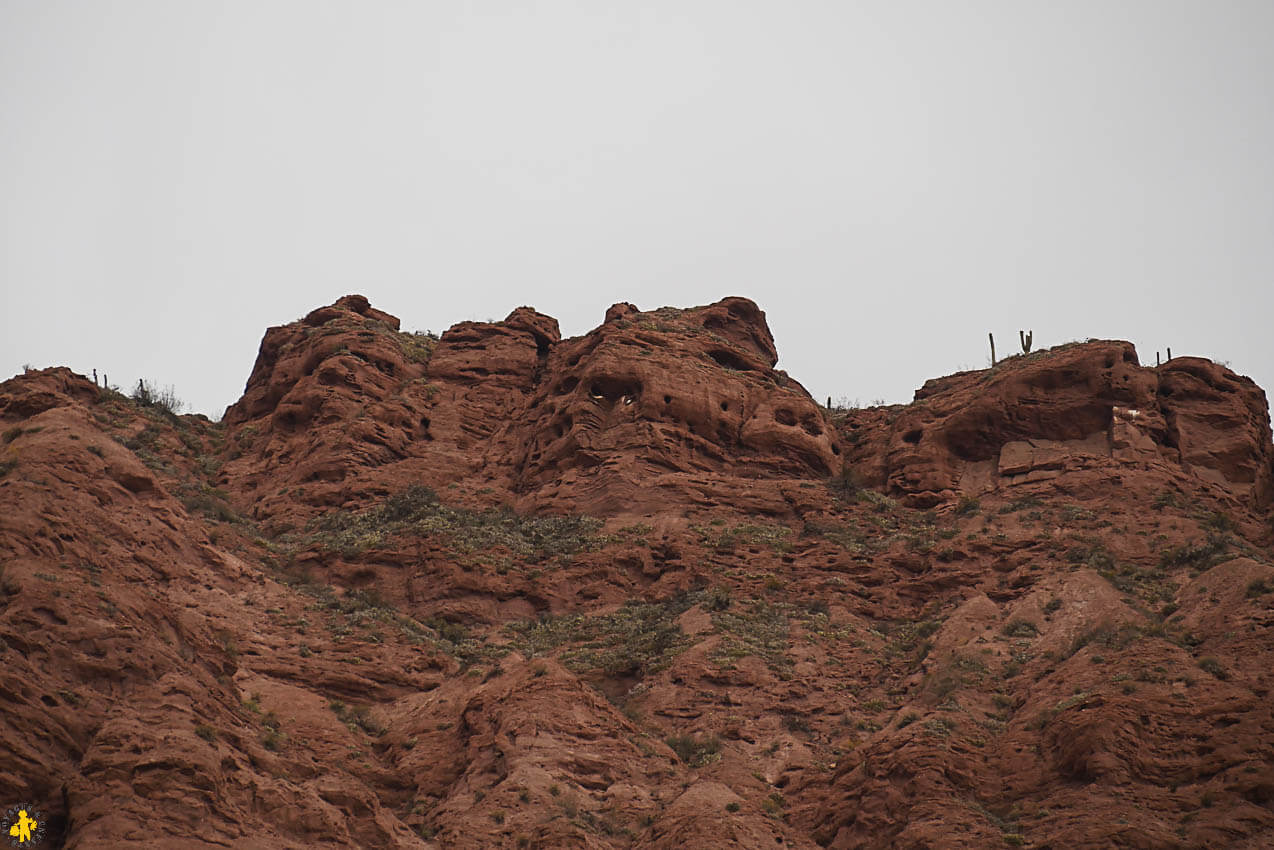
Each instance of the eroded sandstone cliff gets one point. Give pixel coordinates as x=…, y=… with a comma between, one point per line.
x=637, y=589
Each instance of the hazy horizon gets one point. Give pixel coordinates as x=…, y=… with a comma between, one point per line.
x=888, y=182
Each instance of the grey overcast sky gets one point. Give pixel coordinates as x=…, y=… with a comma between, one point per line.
x=888, y=180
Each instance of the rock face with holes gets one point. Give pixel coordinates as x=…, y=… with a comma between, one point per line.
x=342, y=404
x=338, y=391
x=1074, y=407
x=635, y=605
x=649, y=409
x=657, y=407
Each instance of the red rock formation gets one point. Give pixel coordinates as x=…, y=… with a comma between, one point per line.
x=652, y=408
x=1079, y=406
x=1219, y=423
x=1046, y=622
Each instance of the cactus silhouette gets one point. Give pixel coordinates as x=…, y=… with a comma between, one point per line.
x=1026, y=338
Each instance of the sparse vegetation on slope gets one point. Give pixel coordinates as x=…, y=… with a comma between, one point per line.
x=745, y=644
x=417, y=510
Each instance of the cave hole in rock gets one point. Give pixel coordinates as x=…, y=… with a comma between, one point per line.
x=725, y=405
x=567, y=385
x=785, y=416
x=424, y=428
x=614, y=389
x=542, y=344
x=667, y=399
x=913, y=436
x=835, y=449
x=973, y=438
x=730, y=360
x=811, y=426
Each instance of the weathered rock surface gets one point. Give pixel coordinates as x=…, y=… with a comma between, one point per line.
x=1079, y=406
x=652, y=408
x=502, y=589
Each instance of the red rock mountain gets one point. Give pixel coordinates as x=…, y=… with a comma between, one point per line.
x=638, y=589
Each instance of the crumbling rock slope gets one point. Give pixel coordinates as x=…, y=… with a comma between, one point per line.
x=637, y=589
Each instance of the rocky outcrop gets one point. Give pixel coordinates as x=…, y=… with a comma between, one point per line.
x=342, y=404
x=649, y=408
x=628, y=590
x=1219, y=423
x=1079, y=406
x=633, y=414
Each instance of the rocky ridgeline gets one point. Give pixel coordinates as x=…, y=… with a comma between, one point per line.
x=637, y=589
